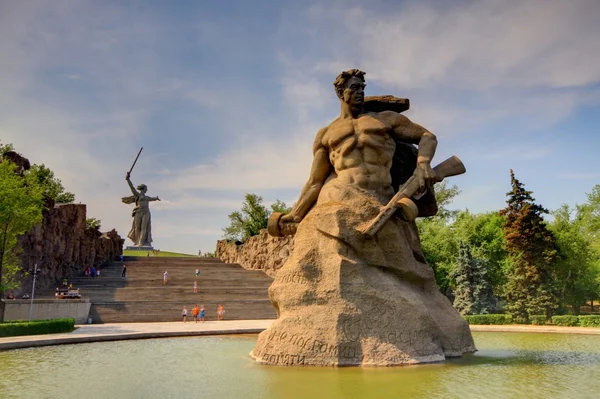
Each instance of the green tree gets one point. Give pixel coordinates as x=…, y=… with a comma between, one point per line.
x=439, y=245
x=472, y=289
x=444, y=196
x=577, y=270
x=251, y=219
x=438, y=242
x=280, y=206
x=5, y=148
x=462, y=277
x=53, y=187
x=93, y=223
x=21, y=205
x=484, y=234
x=588, y=221
x=531, y=286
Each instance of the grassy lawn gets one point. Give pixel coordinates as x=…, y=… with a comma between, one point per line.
x=161, y=253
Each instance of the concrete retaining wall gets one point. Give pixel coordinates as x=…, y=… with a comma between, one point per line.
x=18, y=309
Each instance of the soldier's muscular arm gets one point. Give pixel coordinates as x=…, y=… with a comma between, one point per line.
x=414, y=133
x=320, y=170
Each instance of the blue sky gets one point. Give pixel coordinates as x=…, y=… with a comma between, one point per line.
x=226, y=97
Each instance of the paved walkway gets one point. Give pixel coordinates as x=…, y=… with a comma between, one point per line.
x=123, y=331
x=537, y=329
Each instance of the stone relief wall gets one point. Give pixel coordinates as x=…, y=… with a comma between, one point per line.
x=261, y=252
x=62, y=246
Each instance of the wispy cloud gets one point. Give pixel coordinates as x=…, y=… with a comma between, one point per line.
x=473, y=44
x=85, y=84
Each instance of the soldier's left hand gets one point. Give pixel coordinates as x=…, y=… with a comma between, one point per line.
x=425, y=175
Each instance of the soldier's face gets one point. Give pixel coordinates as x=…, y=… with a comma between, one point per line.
x=354, y=93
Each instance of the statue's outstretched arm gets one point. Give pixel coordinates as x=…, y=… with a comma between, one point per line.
x=414, y=133
x=320, y=170
x=153, y=199
x=133, y=190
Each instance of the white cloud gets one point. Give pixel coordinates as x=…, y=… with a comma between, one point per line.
x=474, y=45
x=188, y=201
x=81, y=85
x=264, y=164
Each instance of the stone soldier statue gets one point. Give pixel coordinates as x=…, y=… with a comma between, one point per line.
x=355, y=292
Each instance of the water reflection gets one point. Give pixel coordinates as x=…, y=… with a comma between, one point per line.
x=508, y=365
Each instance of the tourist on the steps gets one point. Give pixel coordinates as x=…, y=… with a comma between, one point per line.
x=165, y=277
x=184, y=314
x=202, y=313
x=197, y=272
x=87, y=272
x=93, y=271
x=98, y=272
x=195, y=313
x=124, y=272
x=220, y=312
x=121, y=258
x=195, y=287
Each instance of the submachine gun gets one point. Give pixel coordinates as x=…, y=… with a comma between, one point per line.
x=402, y=200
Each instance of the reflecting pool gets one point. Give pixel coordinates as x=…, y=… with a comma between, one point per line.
x=508, y=365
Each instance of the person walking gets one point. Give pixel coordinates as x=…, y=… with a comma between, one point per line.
x=202, y=313
x=184, y=314
x=165, y=277
x=195, y=313
x=220, y=312
x=195, y=287
x=124, y=272
x=197, y=272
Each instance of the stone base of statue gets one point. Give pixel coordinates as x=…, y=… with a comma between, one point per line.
x=140, y=248
x=346, y=300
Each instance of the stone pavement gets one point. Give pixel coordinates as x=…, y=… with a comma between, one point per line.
x=122, y=331
x=536, y=329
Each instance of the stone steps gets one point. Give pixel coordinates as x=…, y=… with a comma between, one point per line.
x=142, y=296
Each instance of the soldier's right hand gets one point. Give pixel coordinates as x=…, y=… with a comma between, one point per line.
x=288, y=224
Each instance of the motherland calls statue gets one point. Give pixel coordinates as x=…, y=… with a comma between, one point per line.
x=141, y=228
x=356, y=290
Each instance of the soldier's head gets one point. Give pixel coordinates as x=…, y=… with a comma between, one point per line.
x=143, y=188
x=350, y=87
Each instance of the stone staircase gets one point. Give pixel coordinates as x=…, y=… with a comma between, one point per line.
x=142, y=296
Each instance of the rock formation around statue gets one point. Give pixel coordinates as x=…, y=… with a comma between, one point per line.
x=350, y=293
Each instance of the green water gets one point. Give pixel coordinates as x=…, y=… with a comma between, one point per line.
x=508, y=365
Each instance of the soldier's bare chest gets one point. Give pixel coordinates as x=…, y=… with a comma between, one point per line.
x=364, y=128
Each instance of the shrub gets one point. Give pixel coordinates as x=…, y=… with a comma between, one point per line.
x=35, y=327
x=489, y=319
x=589, y=321
x=567, y=320
x=538, y=320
